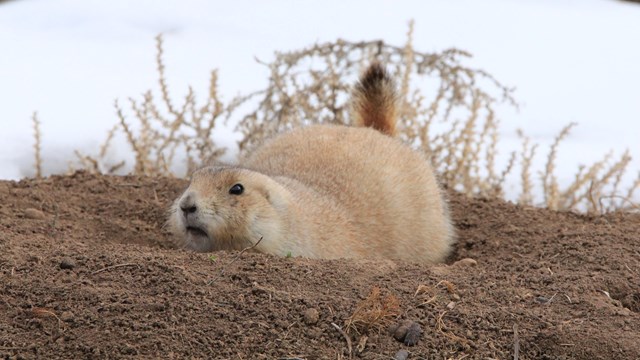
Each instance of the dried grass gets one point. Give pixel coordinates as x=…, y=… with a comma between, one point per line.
x=374, y=313
x=447, y=109
x=590, y=185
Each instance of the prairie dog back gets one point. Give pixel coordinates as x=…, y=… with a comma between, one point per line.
x=387, y=191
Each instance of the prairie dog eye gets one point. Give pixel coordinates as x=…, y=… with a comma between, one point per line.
x=236, y=189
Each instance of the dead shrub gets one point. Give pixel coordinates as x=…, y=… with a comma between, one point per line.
x=447, y=109
x=163, y=130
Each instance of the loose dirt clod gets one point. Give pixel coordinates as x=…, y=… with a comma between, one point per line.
x=66, y=316
x=401, y=355
x=311, y=316
x=465, y=262
x=67, y=264
x=34, y=214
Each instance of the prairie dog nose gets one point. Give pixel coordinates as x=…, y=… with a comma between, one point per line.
x=188, y=204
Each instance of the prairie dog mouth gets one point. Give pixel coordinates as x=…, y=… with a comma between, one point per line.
x=196, y=231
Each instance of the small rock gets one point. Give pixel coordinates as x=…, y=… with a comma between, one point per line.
x=466, y=262
x=456, y=297
x=413, y=334
x=362, y=343
x=407, y=332
x=400, y=330
x=67, y=264
x=451, y=305
x=470, y=335
x=66, y=316
x=314, y=333
x=401, y=355
x=311, y=316
x=623, y=311
x=35, y=214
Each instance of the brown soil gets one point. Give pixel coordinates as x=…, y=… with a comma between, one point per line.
x=88, y=272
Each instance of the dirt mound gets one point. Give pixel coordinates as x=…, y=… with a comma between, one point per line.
x=88, y=272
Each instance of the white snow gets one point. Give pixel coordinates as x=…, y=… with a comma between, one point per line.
x=69, y=59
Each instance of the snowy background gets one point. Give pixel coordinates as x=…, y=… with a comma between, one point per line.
x=571, y=61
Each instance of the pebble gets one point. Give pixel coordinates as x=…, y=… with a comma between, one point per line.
x=66, y=316
x=67, y=264
x=311, y=316
x=413, y=334
x=401, y=355
x=466, y=262
x=35, y=214
x=407, y=332
x=400, y=330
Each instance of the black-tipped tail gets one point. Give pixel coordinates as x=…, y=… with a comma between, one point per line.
x=374, y=100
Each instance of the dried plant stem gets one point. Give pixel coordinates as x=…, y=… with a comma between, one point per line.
x=161, y=76
x=37, y=146
x=528, y=152
x=345, y=336
x=113, y=267
x=549, y=181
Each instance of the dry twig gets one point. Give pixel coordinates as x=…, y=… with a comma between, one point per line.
x=113, y=267
x=345, y=336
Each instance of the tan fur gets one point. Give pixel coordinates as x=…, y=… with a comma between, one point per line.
x=323, y=191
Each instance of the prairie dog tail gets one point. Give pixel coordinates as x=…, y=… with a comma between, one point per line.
x=374, y=100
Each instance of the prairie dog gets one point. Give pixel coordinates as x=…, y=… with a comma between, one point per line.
x=324, y=191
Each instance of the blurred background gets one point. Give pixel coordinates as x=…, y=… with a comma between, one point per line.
x=569, y=61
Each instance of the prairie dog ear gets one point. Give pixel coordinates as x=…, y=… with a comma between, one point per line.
x=276, y=195
x=374, y=100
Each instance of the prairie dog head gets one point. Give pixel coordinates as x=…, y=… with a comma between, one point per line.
x=227, y=208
